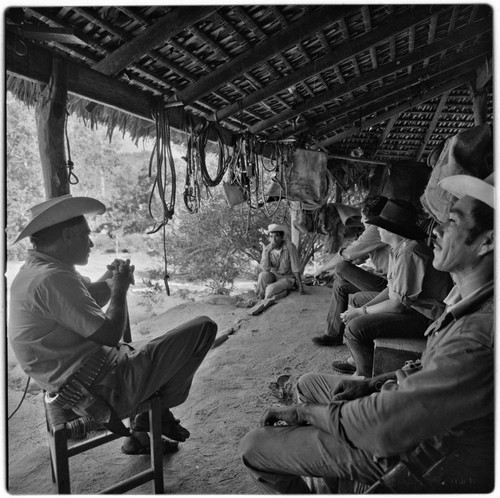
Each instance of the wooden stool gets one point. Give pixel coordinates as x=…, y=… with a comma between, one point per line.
x=63, y=425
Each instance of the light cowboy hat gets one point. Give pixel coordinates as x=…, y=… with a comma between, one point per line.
x=462, y=185
x=57, y=210
x=273, y=227
x=400, y=219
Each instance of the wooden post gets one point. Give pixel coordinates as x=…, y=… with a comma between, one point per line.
x=479, y=106
x=479, y=94
x=50, y=120
x=294, y=233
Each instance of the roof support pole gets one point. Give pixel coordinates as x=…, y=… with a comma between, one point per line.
x=479, y=94
x=50, y=121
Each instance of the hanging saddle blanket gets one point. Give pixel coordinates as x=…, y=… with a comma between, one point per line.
x=305, y=180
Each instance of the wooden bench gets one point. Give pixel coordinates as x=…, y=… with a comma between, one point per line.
x=391, y=354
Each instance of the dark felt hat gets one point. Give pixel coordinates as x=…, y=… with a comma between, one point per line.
x=399, y=217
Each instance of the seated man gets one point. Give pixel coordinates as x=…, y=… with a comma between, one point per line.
x=350, y=278
x=280, y=265
x=413, y=296
x=359, y=428
x=60, y=334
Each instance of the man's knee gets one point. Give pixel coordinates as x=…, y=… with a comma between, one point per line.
x=305, y=385
x=248, y=445
x=341, y=268
x=266, y=277
x=360, y=330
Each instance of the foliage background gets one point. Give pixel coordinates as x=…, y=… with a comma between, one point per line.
x=216, y=245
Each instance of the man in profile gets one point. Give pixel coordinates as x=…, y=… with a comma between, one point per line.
x=62, y=337
x=360, y=428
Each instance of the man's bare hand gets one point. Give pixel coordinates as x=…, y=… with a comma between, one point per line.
x=350, y=314
x=290, y=415
x=348, y=389
x=123, y=275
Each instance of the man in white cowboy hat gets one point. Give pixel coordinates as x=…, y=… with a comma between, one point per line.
x=61, y=336
x=280, y=265
x=359, y=429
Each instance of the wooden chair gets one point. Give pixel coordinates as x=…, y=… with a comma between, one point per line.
x=63, y=425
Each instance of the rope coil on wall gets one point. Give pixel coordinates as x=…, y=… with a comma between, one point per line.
x=161, y=161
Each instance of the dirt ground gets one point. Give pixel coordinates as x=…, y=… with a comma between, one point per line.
x=229, y=393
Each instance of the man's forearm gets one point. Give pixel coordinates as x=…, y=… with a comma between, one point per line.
x=387, y=306
x=100, y=291
x=117, y=311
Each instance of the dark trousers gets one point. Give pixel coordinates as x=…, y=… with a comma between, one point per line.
x=363, y=330
x=349, y=279
x=166, y=365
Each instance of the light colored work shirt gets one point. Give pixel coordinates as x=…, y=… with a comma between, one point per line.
x=283, y=262
x=369, y=245
x=52, y=315
x=413, y=281
x=450, y=399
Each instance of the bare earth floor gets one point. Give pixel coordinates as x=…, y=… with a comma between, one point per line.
x=229, y=393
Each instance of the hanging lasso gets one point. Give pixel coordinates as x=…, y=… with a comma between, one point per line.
x=161, y=162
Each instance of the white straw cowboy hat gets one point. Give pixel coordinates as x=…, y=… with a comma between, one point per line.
x=462, y=185
x=273, y=227
x=57, y=210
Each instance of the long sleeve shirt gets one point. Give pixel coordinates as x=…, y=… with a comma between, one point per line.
x=451, y=397
x=283, y=262
x=369, y=245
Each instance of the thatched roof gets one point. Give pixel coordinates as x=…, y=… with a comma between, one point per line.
x=384, y=82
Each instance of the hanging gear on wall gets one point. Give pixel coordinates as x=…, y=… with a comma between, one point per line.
x=237, y=188
x=160, y=156
x=192, y=191
x=161, y=161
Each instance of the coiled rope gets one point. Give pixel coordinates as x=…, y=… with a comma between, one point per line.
x=161, y=161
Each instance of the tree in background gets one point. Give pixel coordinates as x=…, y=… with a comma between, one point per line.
x=215, y=246
x=24, y=180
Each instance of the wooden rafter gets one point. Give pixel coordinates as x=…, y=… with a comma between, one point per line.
x=155, y=35
x=412, y=102
x=343, y=51
x=91, y=85
x=387, y=129
x=387, y=97
x=379, y=73
x=280, y=41
x=432, y=125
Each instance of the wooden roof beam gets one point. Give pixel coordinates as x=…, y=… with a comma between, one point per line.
x=398, y=109
x=381, y=72
x=91, y=85
x=387, y=129
x=432, y=125
x=377, y=101
x=341, y=52
x=157, y=34
x=276, y=43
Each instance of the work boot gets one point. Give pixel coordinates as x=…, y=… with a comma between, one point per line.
x=327, y=340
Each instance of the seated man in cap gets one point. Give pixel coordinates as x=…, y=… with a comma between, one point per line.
x=351, y=278
x=360, y=428
x=61, y=336
x=280, y=265
x=412, y=299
